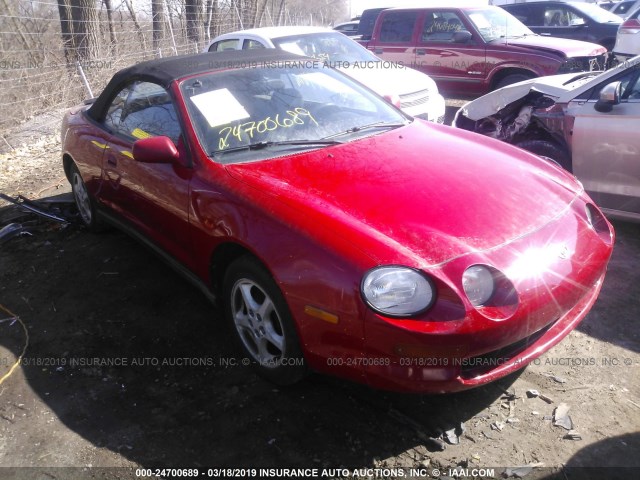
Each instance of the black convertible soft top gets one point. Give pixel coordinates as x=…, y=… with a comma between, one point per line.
x=163, y=71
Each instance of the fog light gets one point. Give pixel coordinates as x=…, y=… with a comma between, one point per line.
x=478, y=284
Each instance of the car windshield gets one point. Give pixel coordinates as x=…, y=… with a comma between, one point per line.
x=596, y=13
x=333, y=47
x=494, y=22
x=253, y=113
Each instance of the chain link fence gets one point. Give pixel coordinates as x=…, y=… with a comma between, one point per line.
x=43, y=69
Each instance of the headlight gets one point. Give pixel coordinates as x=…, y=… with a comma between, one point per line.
x=397, y=291
x=478, y=284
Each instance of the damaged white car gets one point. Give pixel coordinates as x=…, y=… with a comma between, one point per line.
x=589, y=123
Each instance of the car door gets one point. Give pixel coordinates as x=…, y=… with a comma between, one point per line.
x=396, y=38
x=151, y=196
x=606, y=146
x=561, y=20
x=529, y=14
x=252, y=44
x=456, y=63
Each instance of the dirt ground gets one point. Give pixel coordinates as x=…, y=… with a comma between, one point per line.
x=128, y=366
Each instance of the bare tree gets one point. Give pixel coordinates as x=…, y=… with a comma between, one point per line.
x=132, y=12
x=157, y=13
x=17, y=26
x=66, y=29
x=79, y=26
x=112, y=32
x=260, y=13
x=212, y=9
x=193, y=12
x=84, y=17
x=280, y=13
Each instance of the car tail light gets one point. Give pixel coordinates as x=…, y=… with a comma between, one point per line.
x=631, y=26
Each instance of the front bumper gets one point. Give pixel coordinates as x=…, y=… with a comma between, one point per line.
x=475, y=347
x=585, y=64
x=445, y=374
x=428, y=106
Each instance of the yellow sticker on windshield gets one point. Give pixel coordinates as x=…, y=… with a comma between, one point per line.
x=244, y=132
x=138, y=133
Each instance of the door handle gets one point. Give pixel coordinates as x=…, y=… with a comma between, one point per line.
x=111, y=160
x=421, y=51
x=378, y=50
x=548, y=34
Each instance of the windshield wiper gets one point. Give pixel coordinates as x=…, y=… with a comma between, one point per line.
x=368, y=126
x=261, y=145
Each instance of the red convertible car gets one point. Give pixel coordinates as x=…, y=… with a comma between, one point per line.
x=339, y=235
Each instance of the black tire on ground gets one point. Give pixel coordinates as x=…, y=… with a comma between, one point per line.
x=261, y=322
x=84, y=202
x=609, y=43
x=510, y=79
x=545, y=148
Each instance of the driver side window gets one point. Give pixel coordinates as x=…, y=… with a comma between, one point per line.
x=630, y=88
x=561, y=17
x=143, y=110
x=441, y=27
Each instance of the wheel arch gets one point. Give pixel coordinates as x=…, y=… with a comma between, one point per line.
x=608, y=43
x=223, y=256
x=67, y=161
x=565, y=160
x=502, y=73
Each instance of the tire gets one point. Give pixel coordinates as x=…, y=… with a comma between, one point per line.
x=510, y=79
x=259, y=317
x=608, y=43
x=544, y=148
x=84, y=202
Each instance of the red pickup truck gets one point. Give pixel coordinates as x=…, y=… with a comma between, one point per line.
x=472, y=50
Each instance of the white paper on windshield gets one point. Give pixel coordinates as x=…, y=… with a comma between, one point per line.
x=292, y=47
x=219, y=107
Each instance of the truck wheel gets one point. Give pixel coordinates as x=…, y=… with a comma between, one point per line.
x=544, y=148
x=510, y=79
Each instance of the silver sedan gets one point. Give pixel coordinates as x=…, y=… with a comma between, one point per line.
x=589, y=123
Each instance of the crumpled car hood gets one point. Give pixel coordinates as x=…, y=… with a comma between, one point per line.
x=554, y=86
x=427, y=193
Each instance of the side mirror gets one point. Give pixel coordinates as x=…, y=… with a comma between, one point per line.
x=578, y=22
x=462, y=37
x=609, y=96
x=155, y=150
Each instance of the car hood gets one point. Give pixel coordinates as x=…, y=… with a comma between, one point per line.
x=571, y=48
x=554, y=86
x=385, y=78
x=423, y=194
